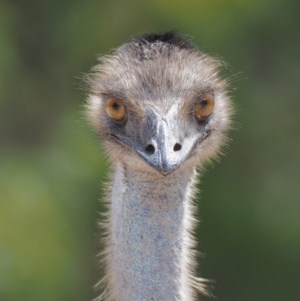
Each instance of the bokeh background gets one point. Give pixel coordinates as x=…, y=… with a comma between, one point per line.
x=51, y=164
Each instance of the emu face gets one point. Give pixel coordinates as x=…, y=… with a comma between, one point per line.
x=161, y=101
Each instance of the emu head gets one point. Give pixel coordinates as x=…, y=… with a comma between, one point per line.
x=159, y=102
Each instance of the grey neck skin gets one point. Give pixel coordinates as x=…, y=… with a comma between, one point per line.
x=149, y=235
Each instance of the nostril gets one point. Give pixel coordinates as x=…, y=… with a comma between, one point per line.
x=177, y=147
x=150, y=149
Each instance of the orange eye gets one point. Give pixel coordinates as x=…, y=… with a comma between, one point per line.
x=115, y=108
x=204, y=106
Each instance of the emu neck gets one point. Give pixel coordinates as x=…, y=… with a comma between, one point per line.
x=149, y=235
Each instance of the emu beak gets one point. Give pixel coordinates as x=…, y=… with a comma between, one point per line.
x=163, y=147
x=160, y=152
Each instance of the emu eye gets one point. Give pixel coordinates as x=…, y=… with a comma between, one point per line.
x=204, y=107
x=115, y=108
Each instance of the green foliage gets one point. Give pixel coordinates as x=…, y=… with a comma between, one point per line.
x=51, y=164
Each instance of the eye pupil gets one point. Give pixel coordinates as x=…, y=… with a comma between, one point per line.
x=203, y=103
x=115, y=106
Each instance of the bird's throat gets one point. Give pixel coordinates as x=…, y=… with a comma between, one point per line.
x=147, y=246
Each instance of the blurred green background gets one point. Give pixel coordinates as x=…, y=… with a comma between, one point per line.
x=51, y=164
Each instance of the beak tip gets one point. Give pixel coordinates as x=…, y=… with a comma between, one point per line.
x=166, y=169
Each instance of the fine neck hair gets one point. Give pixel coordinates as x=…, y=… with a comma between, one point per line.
x=149, y=252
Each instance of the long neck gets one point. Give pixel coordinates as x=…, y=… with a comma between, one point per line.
x=148, y=256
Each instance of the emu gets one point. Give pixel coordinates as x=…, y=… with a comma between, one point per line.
x=161, y=110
